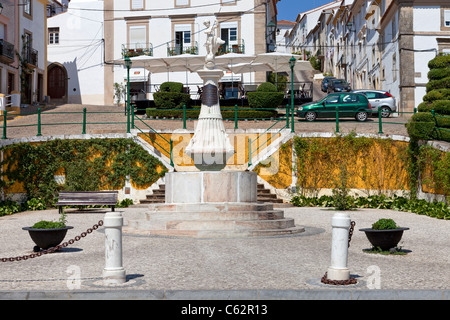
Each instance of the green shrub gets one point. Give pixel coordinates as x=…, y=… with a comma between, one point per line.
x=48, y=225
x=437, y=94
x=421, y=126
x=384, y=224
x=9, y=207
x=441, y=107
x=171, y=100
x=265, y=99
x=266, y=87
x=443, y=83
x=265, y=96
x=437, y=74
x=171, y=87
x=441, y=61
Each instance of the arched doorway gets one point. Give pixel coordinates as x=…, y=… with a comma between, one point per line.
x=57, y=83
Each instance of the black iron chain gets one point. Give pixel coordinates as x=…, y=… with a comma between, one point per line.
x=350, y=232
x=58, y=247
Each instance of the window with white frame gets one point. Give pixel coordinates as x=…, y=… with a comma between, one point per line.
x=27, y=7
x=53, y=35
x=137, y=4
x=182, y=37
x=446, y=18
x=180, y=3
x=229, y=33
x=137, y=36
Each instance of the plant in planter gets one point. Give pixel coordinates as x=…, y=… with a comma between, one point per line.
x=385, y=234
x=48, y=234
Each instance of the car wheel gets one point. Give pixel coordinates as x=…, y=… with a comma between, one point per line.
x=361, y=116
x=310, y=116
x=385, y=112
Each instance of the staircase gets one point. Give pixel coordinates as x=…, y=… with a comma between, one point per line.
x=263, y=195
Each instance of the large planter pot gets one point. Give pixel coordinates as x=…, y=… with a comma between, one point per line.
x=47, y=238
x=384, y=239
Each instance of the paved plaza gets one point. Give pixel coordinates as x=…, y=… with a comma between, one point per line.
x=288, y=267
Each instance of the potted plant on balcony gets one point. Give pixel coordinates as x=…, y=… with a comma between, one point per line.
x=385, y=234
x=48, y=234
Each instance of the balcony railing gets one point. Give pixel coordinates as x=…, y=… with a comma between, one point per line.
x=238, y=47
x=6, y=51
x=31, y=56
x=177, y=50
x=137, y=49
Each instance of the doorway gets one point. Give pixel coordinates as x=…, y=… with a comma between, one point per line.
x=57, y=82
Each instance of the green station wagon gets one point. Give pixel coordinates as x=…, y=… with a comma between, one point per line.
x=349, y=104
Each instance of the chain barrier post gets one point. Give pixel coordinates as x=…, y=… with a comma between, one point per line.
x=84, y=121
x=184, y=116
x=39, y=123
x=337, y=119
x=339, y=247
x=287, y=116
x=113, y=273
x=380, y=123
x=4, y=124
x=235, y=116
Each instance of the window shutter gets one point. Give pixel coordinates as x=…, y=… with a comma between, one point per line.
x=137, y=4
x=447, y=18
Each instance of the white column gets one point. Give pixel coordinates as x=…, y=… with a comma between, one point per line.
x=339, y=247
x=113, y=273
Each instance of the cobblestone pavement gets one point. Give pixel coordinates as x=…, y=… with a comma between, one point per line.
x=289, y=266
x=253, y=268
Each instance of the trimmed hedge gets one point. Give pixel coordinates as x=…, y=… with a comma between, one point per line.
x=171, y=87
x=171, y=96
x=441, y=61
x=437, y=94
x=421, y=126
x=439, y=106
x=266, y=96
x=443, y=83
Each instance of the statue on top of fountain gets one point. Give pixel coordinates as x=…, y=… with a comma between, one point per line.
x=212, y=44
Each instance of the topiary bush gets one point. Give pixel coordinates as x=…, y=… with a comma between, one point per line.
x=421, y=126
x=265, y=96
x=171, y=96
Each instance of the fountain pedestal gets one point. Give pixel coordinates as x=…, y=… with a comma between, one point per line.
x=212, y=202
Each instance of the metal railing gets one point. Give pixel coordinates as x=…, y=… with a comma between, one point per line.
x=137, y=49
x=436, y=121
x=6, y=51
x=238, y=47
x=177, y=50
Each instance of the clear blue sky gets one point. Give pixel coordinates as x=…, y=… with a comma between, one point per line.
x=289, y=9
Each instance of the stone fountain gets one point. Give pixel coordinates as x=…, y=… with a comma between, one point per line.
x=212, y=202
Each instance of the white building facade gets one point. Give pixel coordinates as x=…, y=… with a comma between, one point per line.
x=382, y=44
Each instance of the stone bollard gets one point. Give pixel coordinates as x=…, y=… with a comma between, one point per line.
x=113, y=273
x=339, y=247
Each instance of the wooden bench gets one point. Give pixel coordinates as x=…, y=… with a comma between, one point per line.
x=84, y=198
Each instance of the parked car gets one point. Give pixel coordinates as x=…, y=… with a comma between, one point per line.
x=324, y=83
x=349, y=104
x=381, y=101
x=338, y=85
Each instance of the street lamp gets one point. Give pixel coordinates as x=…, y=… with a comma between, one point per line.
x=292, y=65
x=128, y=65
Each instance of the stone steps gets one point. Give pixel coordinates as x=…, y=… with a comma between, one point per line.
x=213, y=220
x=263, y=195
